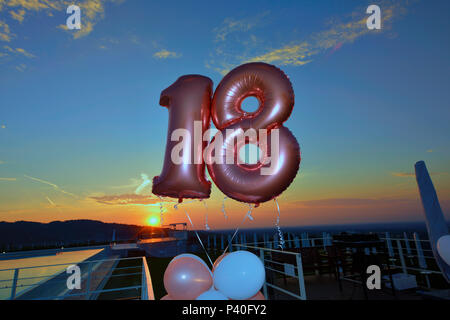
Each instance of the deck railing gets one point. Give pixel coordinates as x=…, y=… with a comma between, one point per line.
x=125, y=278
x=411, y=255
x=287, y=270
x=407, y=253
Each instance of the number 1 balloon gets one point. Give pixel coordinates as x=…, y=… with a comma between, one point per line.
x=189, y=101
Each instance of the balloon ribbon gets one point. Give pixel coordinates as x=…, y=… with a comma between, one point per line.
x=248, y=215
x=280, y=234
x=223, y=207
x=206, y=217
x=193, y=228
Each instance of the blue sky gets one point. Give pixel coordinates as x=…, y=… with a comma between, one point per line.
x=80, y=111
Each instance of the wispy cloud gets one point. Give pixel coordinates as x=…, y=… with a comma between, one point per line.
x=230, y=26
x=126, y=199
x=165, y=54
x=138, y=184
x=21, y=67
x=108, y=43
x=410, y=174
x=85, y=30
x=92, y=12
x=302, y=51
x=19, y=15
x=348, y=202
x=8, y=179
x=133, y=184
x=52, y=204
x=24, y=52
x=135, y=39
x=18, y=51
x=145, y=183
x=5, y=32
x=50, y=184
x=50, y=201
x=9, y=51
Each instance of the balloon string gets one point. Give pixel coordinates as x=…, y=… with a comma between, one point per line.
x=206, y=217
x=200, y=240
x=248, y=215
x=180, y=203
x=161, y=210
x=223, y=207
x=193, y=228
x=249, y=212
x=280, y=234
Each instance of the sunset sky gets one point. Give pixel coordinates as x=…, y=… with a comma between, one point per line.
x=82, y=133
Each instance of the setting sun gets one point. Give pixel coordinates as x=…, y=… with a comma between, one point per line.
x=153, y=221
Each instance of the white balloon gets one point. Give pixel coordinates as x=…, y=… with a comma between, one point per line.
x=443, y=248
x=211, y=294
x=240, y=275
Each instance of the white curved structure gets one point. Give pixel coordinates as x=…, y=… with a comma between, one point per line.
x=436, y=224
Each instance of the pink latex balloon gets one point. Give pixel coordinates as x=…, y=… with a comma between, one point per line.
x=258, y=296
x=186, y=278
x=218, y=260
x=166, y=297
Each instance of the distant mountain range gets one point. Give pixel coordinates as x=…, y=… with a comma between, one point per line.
x=34, y=234
x=24, y=235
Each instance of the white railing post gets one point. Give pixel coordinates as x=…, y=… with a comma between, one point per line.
x=402, y=259
x=88, y=282
x=305, y=241
x=267, y=244
x=14, y=284
x=301, y=279
x=146, y=282
x=296, y=242
x=420, y=256
x=389, y=244
x=261, y=256
x=407, y=246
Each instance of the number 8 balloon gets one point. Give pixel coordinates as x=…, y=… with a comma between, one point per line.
x=251, y=183
x=272, y=88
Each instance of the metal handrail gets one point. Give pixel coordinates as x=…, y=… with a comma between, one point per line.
x=91, y=292
x=91, y=274
x=60, y=281
x=68, y=263
x=278, y=271
x=265, y=249
x=285, y=291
